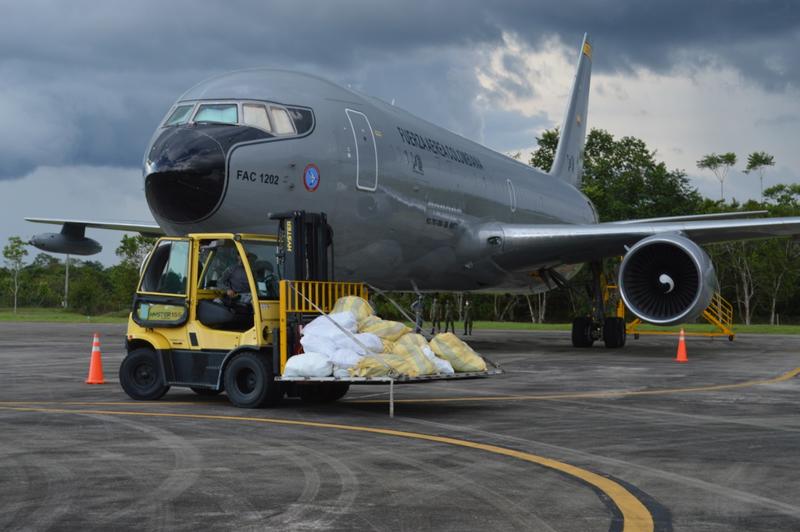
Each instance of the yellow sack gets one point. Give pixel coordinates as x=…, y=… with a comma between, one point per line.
x=359, y=307
x=384, y=329
x=460, y=355
x=409, y=347
x=376, y=365
x=411, y=340
x=388, y=345
x=369, y=321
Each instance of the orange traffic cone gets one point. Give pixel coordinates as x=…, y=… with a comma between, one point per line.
x=681, y=349
x=96, y=364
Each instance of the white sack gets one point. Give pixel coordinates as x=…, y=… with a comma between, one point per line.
x=322, y=326
x=372, y=342
x=442, y=365
x=344, y=358
x=342, y=373
x=313, y=343
x=308, y=365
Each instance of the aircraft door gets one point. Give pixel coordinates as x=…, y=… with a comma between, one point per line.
x=366, y=151
x=512, y=196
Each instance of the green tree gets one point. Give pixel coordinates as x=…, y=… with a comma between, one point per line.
x=133, y=249
x=91, y=289
x=14, y=253
x=125, y=275
x=757, y=162
x=720, y=165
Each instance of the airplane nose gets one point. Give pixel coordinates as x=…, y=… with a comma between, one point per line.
x=185, y=174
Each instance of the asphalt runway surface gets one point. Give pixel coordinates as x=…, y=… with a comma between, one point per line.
x=568, y=439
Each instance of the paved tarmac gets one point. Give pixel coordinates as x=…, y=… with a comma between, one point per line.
x=568, y=439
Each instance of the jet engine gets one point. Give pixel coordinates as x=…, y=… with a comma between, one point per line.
x=71, y=239
x=667, y=279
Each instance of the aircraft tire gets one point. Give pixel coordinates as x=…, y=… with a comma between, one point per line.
x=614, y=333
x=206, y=392
x=249, y=382
x=582, y=332
x=140, y=375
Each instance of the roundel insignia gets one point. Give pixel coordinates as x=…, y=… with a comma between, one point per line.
x=311, y=177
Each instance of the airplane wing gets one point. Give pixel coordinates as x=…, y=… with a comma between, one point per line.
x=143, y=228
x=520, y=246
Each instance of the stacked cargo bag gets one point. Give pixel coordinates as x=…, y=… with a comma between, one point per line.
x=320, y=341
x=414, y=344
x=360, y=307
x=410, y=346
x=308, y=365
x=459, y=354
x=391, y=364
x=385, y=329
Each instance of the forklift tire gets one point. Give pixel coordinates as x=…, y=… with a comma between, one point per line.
x=140, y=375
x=337, y=390
x=582, y=332
x=206, y=392
x=323, y=392
x=614, y=332
x=249, y=382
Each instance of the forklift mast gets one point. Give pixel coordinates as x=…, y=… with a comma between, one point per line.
x=305, y=241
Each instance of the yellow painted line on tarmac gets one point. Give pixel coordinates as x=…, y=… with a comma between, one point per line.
x=588, y=395
x=108, y=403
x=636, y=517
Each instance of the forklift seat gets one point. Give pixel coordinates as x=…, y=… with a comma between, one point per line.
x=220, y=316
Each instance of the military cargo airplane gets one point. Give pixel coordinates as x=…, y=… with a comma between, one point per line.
x=412, y=204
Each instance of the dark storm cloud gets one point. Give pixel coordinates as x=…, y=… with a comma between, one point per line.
x=85, y=82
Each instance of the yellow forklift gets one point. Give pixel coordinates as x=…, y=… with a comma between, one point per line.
x=221, y=312
x=190, y=328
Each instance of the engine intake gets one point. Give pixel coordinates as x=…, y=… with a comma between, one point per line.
x=667, y=279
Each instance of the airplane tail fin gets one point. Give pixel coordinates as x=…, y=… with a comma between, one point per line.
x=568, y=161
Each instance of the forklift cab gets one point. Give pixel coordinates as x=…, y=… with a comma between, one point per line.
x=207, y=311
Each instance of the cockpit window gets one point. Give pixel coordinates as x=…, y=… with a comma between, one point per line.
x=219, y=113
x=303, y=119
x=267, y=116
x=180, y=115
x=255, y=115
x=281, y=121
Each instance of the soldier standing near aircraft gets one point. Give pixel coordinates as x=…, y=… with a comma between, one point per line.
x=436, y=315
x=418, y=307
x=449, y=324
x=467, y=318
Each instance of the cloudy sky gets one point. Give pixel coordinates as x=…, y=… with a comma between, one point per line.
x=83, y=83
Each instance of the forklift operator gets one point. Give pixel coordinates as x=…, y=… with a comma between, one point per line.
x=236, y=284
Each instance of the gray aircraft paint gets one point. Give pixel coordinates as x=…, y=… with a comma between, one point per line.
x=418, y=224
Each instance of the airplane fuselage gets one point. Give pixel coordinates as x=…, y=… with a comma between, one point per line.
x=403, y=196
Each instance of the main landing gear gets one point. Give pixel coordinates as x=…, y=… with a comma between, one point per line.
x=588, y=329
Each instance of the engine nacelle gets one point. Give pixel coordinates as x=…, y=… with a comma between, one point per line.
x=64, y=243
x=667, y=279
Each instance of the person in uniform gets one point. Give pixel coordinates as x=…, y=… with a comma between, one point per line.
x=449, y=324
x=418, y=306
x=436, y=315
x=467, y=318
